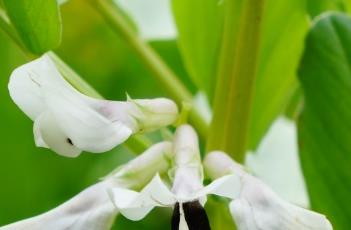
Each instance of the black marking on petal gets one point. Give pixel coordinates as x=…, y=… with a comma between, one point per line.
x=175, y=217
x=69, y=141
x=195, y=216
x=34, y=81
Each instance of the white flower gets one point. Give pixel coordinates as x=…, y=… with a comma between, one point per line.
x=89, y=210
x=256, y=207
x=69, y=122
x=92, y=209
x=187, y=195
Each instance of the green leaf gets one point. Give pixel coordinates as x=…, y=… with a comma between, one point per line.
x=199, y=26
x=324, y=127
x=281, y=48
x=37, y=22
x=316, y=7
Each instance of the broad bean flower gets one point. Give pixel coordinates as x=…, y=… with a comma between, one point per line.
x=255, y=206
x=187, y=196
x=69, y=122
x=92, y=209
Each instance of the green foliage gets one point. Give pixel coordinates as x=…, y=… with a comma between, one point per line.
x=284, y=28
x=254, y=49
x=316, y=7
x=200, y=32
x=281, y=42
x=37, y=22
x=324, y=126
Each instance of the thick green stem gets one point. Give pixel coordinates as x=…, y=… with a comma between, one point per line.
x=236, y=77
x=136, y=144
x=162, y=73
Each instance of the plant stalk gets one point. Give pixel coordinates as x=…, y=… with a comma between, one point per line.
x=236, y=77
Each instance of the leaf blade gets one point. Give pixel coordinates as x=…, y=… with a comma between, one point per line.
x=324, y=129
x=282, y=44
x=38, y=23
x=199, y=26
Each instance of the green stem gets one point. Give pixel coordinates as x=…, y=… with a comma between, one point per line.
x=162, y=73
x=136, y=144
x=236, y=77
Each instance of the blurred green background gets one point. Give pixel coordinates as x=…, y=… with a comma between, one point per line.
x=35, y=180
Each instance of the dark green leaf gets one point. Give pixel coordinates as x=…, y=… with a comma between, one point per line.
x=200, y=30
x=37, y=22
x=325, y=124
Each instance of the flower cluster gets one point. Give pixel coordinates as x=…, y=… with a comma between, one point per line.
x=168, y=174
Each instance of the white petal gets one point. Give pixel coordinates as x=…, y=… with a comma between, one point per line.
x=267, y=212
x=153, y=17
x=243, y=215
x=152, y=114
x=49, y=135
x=188, y=172
x=89, y=130
x=227, y=186
x=92, y=125
x=257, y=207
x=276, y=162
x=25, y=84
x=139, y=171
x=135, y=206
x=218, y=164
x=89, y=210
x=38, y=138
x=186, y=146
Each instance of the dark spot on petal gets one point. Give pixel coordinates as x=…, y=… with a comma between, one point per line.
x=69, y=141
x=195, y=216
x=175, y=217
x=33, y=80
